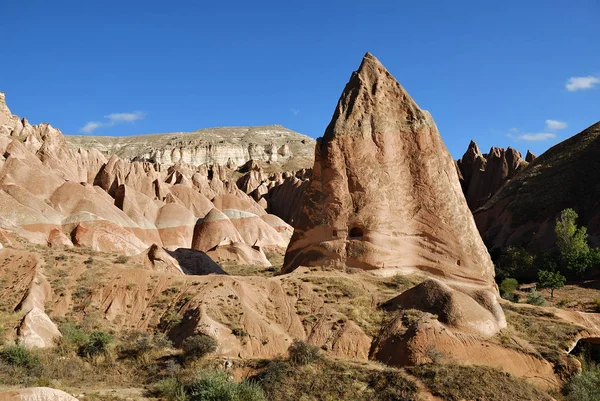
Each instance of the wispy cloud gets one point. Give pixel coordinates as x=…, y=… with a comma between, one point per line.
x=90, y=127
x=581, y=83
x=543, y=136
x=295, y=112
x=125, y=117
x=555, y=124
x=112, y=119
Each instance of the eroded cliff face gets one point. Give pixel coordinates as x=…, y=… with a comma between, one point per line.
x=226, y=146
x=385, y=194
x=482, y=175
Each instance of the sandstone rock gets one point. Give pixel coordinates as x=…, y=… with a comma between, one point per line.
x=195, y=263
x=228, y=145
x=239, y=253
x=58, y=239
x=477, y=312
x=158, y=259
x=215, y=229
x=530, y=157
x=229, y=201
x=37, y=330
x=285, y=198
x=35, y=394
x=284, y=229
x=385, y=193
x=488, y=173
x=193, y=200
x=175, y=224
x=106, y=236
x=254, y=230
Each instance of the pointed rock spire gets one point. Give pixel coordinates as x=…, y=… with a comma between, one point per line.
x=385, y=192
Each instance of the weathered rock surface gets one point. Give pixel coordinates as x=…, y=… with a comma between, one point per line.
x=484, y=174
x=53, y=194
x=36, y=394
x=524, y=210
x=385, y=194
x=227, y=145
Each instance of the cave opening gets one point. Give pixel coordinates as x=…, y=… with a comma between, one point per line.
x=355, y=233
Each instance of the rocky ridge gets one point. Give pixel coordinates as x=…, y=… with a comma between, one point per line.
x=226, y=146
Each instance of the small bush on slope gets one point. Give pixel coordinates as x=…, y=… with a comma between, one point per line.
x=98, y=344
x=206, y=386
x=302, y=353
x=196, y=347
x=584, y=386
x=333, y=380
x=457, y=383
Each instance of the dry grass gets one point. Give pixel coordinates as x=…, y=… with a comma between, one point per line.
x=541, y=329
x=457, y=383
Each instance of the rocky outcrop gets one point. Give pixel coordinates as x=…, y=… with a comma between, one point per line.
x=219, y=238
x=385, y=194
x=524, y=210
x=482, y=175
x=232, y=146
x=35, y=394
x=530, y=157
x=53, y=194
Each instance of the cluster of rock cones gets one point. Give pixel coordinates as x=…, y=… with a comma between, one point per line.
x=384, y=196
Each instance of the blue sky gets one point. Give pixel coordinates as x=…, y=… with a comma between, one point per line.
x=495, y=72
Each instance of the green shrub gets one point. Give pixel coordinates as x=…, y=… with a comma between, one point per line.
x=122, y=259
x=584, y=386
x=596, y=302
x=508, y=285
x=198, y=346
x=98, y=344
x=20, y=357
x=73, y=336
x=302, y=353
x=89, y=260
x=515, y=262
x=400, y=281
x=535, y=298
x=215, y=385
x=170, y=389
x=138, y=344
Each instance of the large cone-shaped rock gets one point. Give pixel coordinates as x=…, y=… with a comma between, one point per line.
x=385, y=192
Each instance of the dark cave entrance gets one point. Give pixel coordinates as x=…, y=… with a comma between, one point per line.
x=355, y=233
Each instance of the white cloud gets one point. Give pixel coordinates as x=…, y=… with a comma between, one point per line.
x=90, y=127
x=125, y=117
x=113, y=119
x=537, y=137
x=513, y=130
x=581, y=83
x=555, y=124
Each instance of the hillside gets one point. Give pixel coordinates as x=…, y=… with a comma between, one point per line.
x=227, y=146
x=566, y=176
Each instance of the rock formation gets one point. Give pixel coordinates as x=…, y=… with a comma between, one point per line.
x=233, y=146
x=35, y=394
x=51, y=193
x=524, y=210
x=484, y=174
x=385, y=194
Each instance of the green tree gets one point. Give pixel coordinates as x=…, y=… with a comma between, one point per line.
x=551, y=280
x=516, y=262
x=571, y=241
